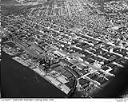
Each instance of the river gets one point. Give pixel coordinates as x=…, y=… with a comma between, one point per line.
x=20, y=81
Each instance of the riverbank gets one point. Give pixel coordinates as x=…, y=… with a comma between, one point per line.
x=20, y=81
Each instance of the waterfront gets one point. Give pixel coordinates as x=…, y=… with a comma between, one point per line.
x=20, y=81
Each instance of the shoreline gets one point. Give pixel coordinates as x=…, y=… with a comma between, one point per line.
x=14, y=73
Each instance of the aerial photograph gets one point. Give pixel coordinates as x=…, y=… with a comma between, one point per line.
x=64, y=48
